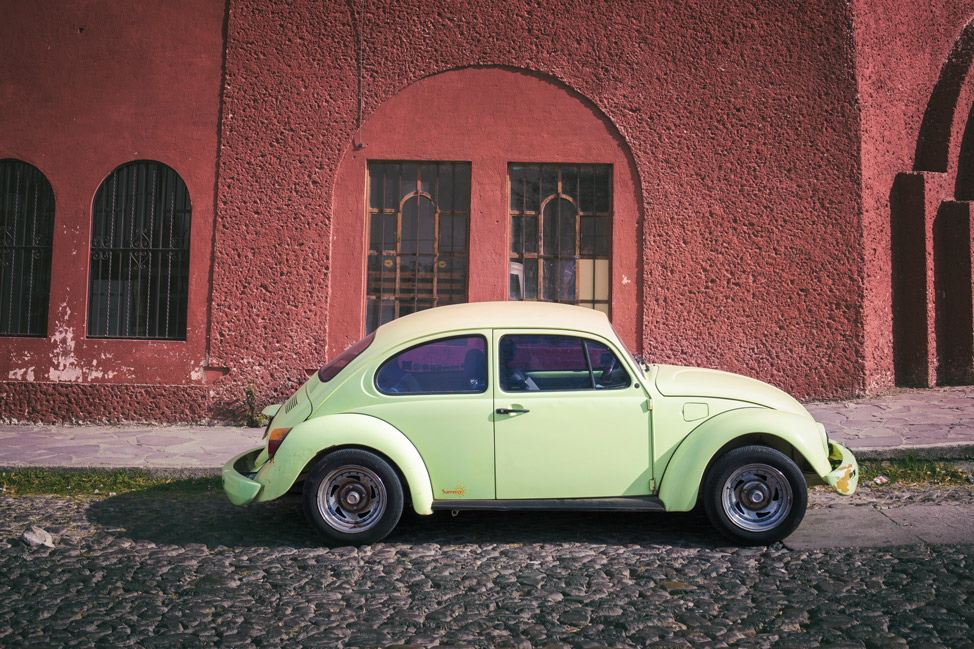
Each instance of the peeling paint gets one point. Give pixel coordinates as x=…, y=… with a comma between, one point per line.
x=21, y=374
x=198, y=374
x=65, y=362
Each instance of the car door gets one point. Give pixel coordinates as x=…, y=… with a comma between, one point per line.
x=570, y=421
x=436, y=392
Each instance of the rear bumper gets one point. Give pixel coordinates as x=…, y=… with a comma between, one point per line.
x=845, y=478
x=237, y=477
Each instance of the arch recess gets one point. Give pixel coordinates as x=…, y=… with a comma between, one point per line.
x=491, y=118
x=937, y=127
x=930, y=219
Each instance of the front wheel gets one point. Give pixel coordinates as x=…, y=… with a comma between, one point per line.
x=353, y=497
x=755, y=495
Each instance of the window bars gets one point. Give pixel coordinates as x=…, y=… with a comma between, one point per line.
x=139, y=282
x=418, y=215
x=26, y=234
x=560, y=218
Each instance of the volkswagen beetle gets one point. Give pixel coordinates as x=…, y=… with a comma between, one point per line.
x=533, y=406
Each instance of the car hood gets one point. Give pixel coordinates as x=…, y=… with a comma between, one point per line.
x=675, y=381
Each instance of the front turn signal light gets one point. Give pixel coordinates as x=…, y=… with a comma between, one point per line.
x=274, y=440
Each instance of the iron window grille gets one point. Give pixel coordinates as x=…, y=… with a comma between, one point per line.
x=139, y=282
x=418, y=216
x=27, y=229
x=560, y=232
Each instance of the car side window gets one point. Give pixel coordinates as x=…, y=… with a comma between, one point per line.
x=606, y=368
x=531, y=362
x=445, y=366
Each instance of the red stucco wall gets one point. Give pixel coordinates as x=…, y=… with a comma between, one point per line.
x=87, y=87
x=762, y=143
x=741, y=122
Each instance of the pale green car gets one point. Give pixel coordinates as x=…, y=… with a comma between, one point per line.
x=533, y=406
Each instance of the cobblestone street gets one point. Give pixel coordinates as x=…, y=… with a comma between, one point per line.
x=157, y=570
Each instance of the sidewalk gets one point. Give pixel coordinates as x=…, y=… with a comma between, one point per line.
x=935, y=423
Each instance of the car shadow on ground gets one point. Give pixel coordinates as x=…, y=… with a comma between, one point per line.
x=161, y=517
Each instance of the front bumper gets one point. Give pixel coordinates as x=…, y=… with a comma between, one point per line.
x=237, y=482
x=845, y=478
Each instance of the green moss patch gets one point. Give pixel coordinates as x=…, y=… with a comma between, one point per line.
x=18, y=482
x=913, y=471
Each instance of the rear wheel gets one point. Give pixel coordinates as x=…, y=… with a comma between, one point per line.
x=353, y=497
x=755, y=495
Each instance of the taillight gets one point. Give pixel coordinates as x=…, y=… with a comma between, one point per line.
x=274, y=440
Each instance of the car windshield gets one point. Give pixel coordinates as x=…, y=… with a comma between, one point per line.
x=330, y=369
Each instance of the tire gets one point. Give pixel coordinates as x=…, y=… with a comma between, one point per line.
x=353, y=497
x=755, y=495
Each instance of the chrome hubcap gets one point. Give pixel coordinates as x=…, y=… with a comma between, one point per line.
x=351, y=499
x=757, y=497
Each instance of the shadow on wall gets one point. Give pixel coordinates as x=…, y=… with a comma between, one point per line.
x=954, y=315
x=908, y=258
x=933, y=143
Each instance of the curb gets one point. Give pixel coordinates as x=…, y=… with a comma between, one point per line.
x=959, y=451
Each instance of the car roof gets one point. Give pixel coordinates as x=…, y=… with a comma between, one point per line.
x=495, y=315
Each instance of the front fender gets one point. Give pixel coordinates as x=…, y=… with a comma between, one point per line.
x=309, y=438
x=680, y=484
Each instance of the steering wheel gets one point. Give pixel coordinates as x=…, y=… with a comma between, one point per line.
x=607, y=370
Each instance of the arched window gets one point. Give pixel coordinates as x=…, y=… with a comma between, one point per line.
x=140, y=229
x=418, y=215
x=27, y=222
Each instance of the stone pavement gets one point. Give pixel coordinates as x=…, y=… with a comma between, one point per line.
x=182, y=450
x=937, y=422
x=157, y=571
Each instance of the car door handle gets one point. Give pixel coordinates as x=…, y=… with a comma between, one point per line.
x=510, y=411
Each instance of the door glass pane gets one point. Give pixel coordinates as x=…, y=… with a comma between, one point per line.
x=426, y=242
x=427, y=179
x=390, y=193
x=532, y=189
x=517, y=188
x=444, y=188
x=567, y=224
x=417, y=252
x=409, y=243
x=409, y=178
x=568, y=242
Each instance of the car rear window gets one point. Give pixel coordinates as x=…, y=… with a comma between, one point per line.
x=453, y=365
x=330, y=369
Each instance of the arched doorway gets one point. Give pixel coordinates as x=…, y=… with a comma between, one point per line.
x=533, y=184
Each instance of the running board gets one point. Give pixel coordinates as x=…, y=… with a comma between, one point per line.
x=625, y=504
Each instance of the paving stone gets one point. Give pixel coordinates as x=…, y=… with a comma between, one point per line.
x=146, y=569
x=35, y=536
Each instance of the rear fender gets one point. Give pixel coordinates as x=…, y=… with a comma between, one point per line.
x=683, y=476
x=307, y=440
